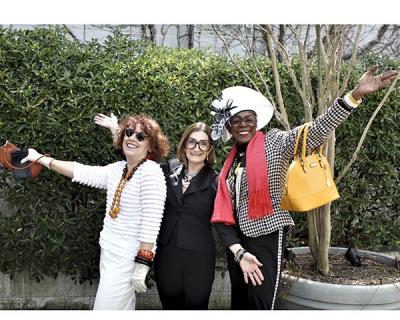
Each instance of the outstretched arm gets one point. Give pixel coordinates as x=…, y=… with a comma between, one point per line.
x=323, y=125
x=94, y=176
x=65, y=168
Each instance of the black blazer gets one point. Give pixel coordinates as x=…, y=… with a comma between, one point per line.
x=186, y=221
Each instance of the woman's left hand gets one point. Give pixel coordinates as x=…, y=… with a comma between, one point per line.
x=369, y=82
x=250, y=267
x=139, y=277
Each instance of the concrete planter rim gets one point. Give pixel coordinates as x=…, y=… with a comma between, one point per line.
x=343, y=296
x=335, y=250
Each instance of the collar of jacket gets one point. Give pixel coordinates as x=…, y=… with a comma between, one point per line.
x=203, y=180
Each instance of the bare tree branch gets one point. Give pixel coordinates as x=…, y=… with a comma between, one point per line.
x=382, y=31
x=233, y=59
x=287, y=62
x=69, y=31
x=352, y=61
x=277, y=82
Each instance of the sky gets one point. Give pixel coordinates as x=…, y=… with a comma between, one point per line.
x=199, y=12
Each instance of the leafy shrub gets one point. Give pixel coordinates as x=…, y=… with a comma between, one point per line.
x=50, y=88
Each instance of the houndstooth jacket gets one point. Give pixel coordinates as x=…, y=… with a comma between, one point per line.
x=279, y=147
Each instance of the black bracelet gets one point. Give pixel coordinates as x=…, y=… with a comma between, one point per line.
x=144, y=261
x=343, y=104
x=239, y=255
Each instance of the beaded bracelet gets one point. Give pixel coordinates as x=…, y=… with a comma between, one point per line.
x=147, y=254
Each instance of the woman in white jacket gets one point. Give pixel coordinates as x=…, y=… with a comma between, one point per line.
x=136, y=193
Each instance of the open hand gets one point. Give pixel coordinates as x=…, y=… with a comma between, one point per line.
x=250, y=267
x=109, y=122
x=369, y=82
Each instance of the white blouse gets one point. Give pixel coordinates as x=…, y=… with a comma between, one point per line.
x=141, y=206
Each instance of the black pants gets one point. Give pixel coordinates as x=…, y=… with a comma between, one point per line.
x=269, y=251
x=184, y=277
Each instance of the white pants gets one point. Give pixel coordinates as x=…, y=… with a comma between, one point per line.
x=115, y=291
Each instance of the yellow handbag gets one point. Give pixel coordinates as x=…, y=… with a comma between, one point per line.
x=309, y=183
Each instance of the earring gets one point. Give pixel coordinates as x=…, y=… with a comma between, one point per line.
x=207, y=157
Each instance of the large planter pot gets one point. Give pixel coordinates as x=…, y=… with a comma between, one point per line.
x=301, y=294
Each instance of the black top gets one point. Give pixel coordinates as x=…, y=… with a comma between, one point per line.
x=186, y=222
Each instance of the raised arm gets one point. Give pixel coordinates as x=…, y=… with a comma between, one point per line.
x=323, y=125
x=109, y=122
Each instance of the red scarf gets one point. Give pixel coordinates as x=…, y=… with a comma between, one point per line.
x=259, y=204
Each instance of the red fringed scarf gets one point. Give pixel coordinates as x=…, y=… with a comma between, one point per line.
x=260, y=204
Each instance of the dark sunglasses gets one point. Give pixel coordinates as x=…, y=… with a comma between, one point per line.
x=140, y=136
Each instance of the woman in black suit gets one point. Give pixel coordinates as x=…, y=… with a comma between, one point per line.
x=184, y=264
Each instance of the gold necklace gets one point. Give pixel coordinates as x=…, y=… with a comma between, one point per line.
x=115, y=209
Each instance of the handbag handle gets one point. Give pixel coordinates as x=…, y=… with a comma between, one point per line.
x=303, y=131
x=19, y=168
x=304, y=147
x=299, y=134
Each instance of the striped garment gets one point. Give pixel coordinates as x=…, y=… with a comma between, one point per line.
x=142, y=204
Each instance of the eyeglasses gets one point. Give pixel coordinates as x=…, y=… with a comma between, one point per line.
x=140, y=136
x=250, y=120
x=204, y=145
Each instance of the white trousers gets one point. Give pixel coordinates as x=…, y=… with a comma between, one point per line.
x=115, y=291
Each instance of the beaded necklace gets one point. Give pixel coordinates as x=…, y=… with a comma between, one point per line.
x=187, y=178
x=117, y=195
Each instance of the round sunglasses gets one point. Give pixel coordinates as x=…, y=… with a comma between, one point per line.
x=237, y=121
x=140, y=136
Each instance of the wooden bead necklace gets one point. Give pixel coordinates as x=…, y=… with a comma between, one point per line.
x=115, y=209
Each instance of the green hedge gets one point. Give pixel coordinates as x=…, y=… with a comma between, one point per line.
x=50, y=88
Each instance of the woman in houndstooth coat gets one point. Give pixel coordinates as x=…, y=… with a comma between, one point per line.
x=247, y=214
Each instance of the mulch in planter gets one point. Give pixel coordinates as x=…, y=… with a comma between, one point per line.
x=371, y=272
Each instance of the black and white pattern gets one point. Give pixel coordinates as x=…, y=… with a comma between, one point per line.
x=279, y=261
x=221, y=113
x=279, y=146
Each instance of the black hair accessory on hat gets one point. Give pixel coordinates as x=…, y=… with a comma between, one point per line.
x=220, y=117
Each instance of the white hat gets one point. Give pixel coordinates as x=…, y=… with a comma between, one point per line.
x=235, y=100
